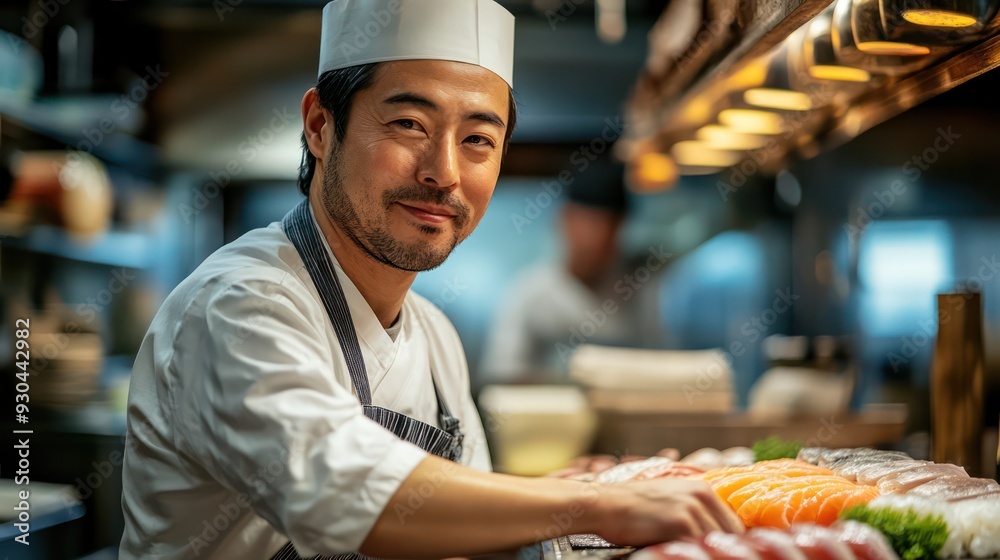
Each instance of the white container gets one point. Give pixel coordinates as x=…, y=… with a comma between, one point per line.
x=534, y=430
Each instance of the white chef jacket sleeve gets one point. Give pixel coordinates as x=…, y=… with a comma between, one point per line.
x=260, y=411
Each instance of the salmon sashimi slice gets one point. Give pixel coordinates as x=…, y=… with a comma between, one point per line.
x=830, y=509
x=780, y=505
x=748, y=492
x=774, y=512
x=756, y=488
x=750, y=510
x=809, y=508
x=725, y=472
x=724, y=487
x=752, y=501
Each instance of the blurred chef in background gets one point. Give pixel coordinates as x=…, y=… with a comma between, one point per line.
x=585, y=297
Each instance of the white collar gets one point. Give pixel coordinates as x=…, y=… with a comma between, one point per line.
x=369, y=330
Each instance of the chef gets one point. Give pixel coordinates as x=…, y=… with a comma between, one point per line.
x=294, y=398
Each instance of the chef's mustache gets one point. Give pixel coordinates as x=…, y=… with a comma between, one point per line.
x=429, y=195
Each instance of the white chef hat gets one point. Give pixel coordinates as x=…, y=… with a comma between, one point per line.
x=479, y=32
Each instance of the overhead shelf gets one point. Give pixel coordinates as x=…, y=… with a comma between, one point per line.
x=765, y=25
x=113, y=248
x=58, y=124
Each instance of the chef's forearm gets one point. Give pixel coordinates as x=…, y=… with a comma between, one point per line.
x=443, y=509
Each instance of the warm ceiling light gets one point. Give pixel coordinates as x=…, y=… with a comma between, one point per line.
x=752, y=121
x=939, y=18
x=839, y=73
x=892, y=48
x=654, y=170
x=726, y=138
x=847, y=53
x=938, y=23
x=772, y=98
x=870, y=36
x=702, y=154
x=819, y=57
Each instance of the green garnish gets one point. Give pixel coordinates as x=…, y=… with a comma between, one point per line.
x=775, y=448
x=912, y=536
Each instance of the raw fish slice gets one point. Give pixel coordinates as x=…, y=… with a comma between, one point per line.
x=871, y=474
x=809, y=508
x=819, y=543
x=861, y=453
x=727, y=546
x=810, y=454
x=775, y=511
x=830, y=455
x=773, y=544
x=738, y=456
x=770, y=509
x=752, y=500
x=994, y=495
x=626, y=471
x=665, y=470
x=795, y=472
x=726, y=472
x=955, y=487
x=849, y=468
x=789, y=467
x=795, y=501
x=865, y=541
x=741, y=496
x=902, y=482
x=705, y=458
x=830, y=509
x=770, y=516
x=723, y=488
x=749, y=512
x=675, y=550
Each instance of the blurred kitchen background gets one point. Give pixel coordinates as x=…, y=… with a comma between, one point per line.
x=818, y=251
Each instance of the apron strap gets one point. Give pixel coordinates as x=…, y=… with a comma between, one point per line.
x=299, y=228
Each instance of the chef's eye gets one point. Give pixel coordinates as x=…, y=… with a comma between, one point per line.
x=408, y=124
x=477, y=140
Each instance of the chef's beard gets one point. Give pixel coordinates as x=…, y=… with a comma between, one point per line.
x=370, y=231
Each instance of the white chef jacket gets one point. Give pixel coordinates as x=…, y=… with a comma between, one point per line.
x=244, y=428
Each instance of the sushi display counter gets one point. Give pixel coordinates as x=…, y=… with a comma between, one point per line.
x=635, y=430
x=823, y=504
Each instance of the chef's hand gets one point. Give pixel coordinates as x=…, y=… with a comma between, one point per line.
x=653, y=511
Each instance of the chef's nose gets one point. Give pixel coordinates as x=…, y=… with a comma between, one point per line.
x=439, y=166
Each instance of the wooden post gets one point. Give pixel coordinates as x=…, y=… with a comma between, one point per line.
x=957, y=382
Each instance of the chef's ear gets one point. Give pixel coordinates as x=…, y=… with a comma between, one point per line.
x=317, y=124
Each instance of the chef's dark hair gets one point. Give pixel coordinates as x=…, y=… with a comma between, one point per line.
x=336, y=90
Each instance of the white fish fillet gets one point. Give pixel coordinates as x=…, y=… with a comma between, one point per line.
x=871, y=474
x=902, y=482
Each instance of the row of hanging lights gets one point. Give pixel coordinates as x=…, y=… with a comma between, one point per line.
x=849, y=48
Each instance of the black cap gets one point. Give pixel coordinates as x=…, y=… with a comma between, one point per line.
x=600, y=185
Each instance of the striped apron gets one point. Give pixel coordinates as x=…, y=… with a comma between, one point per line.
x=445, y=442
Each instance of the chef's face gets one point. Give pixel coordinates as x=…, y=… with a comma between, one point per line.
x=419, y=160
